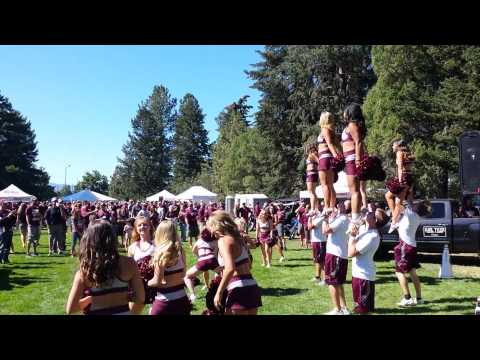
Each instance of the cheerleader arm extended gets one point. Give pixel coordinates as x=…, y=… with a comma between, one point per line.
x=399, y=163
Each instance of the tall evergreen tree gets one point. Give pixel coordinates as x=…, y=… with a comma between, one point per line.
x=190, y=142
x=146, y=166
x=18, y=154
x=232, y=122
x=298, y=83
x=427, y=95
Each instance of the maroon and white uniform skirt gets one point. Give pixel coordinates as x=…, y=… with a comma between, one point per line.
x=363, y=295
x=243, y=293
x=319, y=251
x=265, y=238
x=405, y=257
x=206, y=263
x=312, y=176
x=350, y=166
x=171, y=301
x=335, y=270
x=325, y=160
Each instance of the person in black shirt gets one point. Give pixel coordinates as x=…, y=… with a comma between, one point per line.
x=55, y=218
x=8, y=218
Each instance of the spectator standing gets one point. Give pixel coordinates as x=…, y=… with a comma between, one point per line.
x=7, y=222
x=77, y=227
x=34, y=219
x=22, y=224
x=55, y=218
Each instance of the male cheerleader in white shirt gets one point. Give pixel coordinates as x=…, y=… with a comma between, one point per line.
x=336, y=259
x=362, y=246
x=319, y=242
x=406, y=261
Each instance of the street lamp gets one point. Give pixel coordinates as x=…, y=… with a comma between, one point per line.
x=65, y=186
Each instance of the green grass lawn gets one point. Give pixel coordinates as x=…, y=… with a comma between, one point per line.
x=40, y=285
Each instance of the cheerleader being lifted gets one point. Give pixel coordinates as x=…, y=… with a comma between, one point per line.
x=401, y=186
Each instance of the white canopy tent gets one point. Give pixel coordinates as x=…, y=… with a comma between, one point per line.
x=13, y=193
x=102, y=197
x=197, y=193
x=341, y=188
x=162, y=194
x=251, y=199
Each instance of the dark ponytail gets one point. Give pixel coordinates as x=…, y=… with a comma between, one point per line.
x=353, y=113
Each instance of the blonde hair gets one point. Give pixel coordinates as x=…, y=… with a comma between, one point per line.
x=220, y=221
x=167, y=244
x=327, y=120
x=240, y=222
x=140, y=220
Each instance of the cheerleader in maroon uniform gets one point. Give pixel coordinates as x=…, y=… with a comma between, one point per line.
x=400, y=187
x=206, y=249
x=248, y=241
x=327, y=151
x=312, y=173
x=278, y=241
x=264, y=234
x=353, y=147
x=106, y=283
x=142, y=250
x=242, y=291
x=169, y=264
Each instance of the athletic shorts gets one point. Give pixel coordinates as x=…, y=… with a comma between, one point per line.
x=319, y=251
x=405, y=257
x=363, y=295
x=335, y=270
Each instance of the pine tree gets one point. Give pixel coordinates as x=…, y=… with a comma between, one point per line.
x=427, y=95
x=298, y=83
x=190, y=143
x=146, y=166
x=232, y=122
x=18, y=154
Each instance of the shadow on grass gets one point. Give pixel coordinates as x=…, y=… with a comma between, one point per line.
x=281, y=291
x=300, y=260
x=8, y=280
x=290, y=265
x=424, y=309
x=425, y=280
x=454, y=300
x=455, y=260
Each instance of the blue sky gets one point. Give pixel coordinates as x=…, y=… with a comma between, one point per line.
x=80, y=99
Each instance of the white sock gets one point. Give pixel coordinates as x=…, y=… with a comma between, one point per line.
x=355, y=216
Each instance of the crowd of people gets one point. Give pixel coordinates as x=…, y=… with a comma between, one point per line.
x=154, y=234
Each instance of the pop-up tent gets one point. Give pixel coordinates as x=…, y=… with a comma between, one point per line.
x=88, y=195
x=341, y=188
x=162, y=194
x=251, y=199
x=13, y=193
x=197, y=193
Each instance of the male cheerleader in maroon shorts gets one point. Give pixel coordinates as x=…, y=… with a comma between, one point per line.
x=406, y=261
x=362, y=247
x=319, y=242
x=336, y=259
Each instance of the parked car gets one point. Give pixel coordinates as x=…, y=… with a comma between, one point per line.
x=443, y=226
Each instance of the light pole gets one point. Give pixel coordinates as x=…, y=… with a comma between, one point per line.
x=65, y=186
